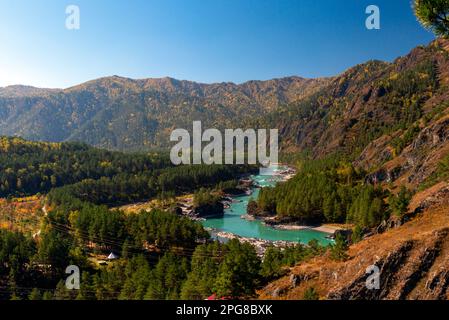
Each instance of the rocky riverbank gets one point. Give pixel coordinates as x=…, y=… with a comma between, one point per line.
x=261, y=245
x=236, y=206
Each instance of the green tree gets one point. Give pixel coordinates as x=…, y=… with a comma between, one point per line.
x=61, y=292
x=167, y=277
x=83, y=293
x=399, y=203
x=338, y=250
x=35, y=294
x=433, y=15
x=239, y=272
x=14, y=297
x=15, y=253
x=138, y=275
x=224, y=285
x=54, y=249
x=311, y=294
x=47, y=296
x=357, y=234
x=204, y=267
x=272, y=263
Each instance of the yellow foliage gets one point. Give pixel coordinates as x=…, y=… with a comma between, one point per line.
x=26, y=199
x=105, y=164
x=394, y=76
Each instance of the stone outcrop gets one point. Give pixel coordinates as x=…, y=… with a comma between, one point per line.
x=412, y=258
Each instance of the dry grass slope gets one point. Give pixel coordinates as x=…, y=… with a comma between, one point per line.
x=413, y=260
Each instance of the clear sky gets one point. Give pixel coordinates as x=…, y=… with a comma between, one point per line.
x=200, y=40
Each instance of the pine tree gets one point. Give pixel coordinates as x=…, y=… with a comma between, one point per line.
x=311, y=294
x=47, y=296
x=35, y=294
x=61, y=292
x=224, y=285
x=338, y=250
x=399, y=203
x=272, y=263
x=357, y=234
x=433, y=15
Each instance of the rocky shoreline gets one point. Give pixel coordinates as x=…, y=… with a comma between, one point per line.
x=261, y=245
x=246, y=185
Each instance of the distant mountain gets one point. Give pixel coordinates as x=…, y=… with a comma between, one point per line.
x=23, y=91
x=390, y=118
x=127, y=114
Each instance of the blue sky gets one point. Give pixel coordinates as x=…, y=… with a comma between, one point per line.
x=200, y=40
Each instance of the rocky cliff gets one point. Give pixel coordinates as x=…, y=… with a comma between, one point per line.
x=413, y=260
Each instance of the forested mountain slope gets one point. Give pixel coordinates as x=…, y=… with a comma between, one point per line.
x=369, y=101
x=375, y=130
x=126, y=114
x=391, y=127
x=344, y=113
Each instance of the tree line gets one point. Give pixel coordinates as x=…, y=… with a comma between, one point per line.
x=28, y=167
x=330, y=190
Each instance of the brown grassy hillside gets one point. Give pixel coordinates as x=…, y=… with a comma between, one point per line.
x=413, y=260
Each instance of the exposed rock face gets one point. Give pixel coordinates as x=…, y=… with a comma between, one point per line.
x=401, y=271
x=416, y=162
x=349, y=113
x=294, y=280
x=431, y=144
x=391, y=223
x=358, y=289
x=413, y=261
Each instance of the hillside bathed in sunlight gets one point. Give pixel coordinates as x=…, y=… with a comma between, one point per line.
x=328, y=179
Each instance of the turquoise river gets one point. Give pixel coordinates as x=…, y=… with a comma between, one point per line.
x=233, y=222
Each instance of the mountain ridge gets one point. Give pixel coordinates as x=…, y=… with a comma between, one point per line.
x=319, y=115
x=96, y=110
x=158, y=79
